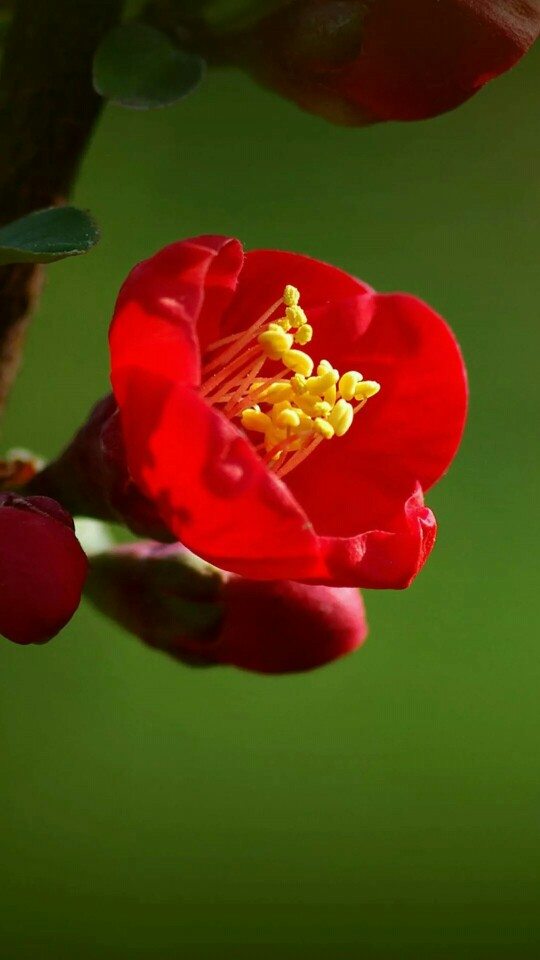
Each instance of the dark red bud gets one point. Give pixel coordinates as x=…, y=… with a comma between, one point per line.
x=91, y=477
x=359, y=61
x=284, y=627
x=178, y=604
x=42, y=568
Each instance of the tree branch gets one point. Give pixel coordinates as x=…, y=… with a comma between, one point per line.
x=48, y=109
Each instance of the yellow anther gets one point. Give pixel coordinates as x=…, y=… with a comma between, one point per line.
x=276, y=392
x=300, y=409
x=298, y=384
x=273, y=438
x=324, y=367
x=313, y=406
x=341, y=417
x=330, y=395
x=366, y=389
x=275, y=343
x=323, y=382
x=279, y=408
x=322, y=409
x=298, y=361
x=296, y=316
x=254, y=419
x=291, y=296
x=304, y=334
x=284, y=323
x=288, y=419
x=323, y=428
x=348, y=382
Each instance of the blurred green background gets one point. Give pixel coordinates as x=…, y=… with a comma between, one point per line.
x=388, y=805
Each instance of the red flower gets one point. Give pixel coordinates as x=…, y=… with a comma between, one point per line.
x=274, y=498
x=355, y=61
x=199, y=615
x=42, y=568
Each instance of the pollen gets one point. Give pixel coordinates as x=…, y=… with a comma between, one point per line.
x=291, y=409
x=291, y=296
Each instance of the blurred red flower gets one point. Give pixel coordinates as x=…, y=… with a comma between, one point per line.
x=356, y=61
x=42, y=568
x=254, y=461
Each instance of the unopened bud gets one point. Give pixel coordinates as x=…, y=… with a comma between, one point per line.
x=42, y=568
x=356, y=62
x=197, y=614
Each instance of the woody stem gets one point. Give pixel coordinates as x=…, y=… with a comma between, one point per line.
x=48, y=109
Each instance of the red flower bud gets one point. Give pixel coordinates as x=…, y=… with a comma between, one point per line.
x=91, y=477
x=199, y=615
x=42, y=568
x=283, y=627
x=358, y=61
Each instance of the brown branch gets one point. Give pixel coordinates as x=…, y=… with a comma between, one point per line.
x=47, y=112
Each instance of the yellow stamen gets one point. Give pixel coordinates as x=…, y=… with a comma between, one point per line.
x=298, y=383
x=322, y=382
x=298, y=361
x=275, y=342
x=296, y=316
x=348, y=383
x=304, y=334
x=288, y=418
x=366, y=389
x=323, y=428
x=300, y=409
x=255, y=419
x=341, y=417
x=291, y=296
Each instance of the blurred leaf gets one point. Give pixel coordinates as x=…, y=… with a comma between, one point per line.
x=225, y=15
x=138, y=67
x=48, y=235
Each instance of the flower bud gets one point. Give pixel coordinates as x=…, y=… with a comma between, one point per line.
x=282, y=626
x=162, y=594
x=91, y=477
x=358, y=61
x=42, y=568
x=200, y=615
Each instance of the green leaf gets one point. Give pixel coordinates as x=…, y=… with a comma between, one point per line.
x=48, y=235
x=138, y=67
x=231, y=15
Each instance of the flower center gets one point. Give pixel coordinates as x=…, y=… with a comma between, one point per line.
x=292, y=409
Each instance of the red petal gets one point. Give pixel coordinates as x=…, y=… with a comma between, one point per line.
x=210, y=487
x=266, y=273
x=388, y=558
x=407, y=434
x=166, y=302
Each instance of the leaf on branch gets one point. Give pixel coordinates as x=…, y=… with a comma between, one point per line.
x=138, y=67
x=48, y=235
x=232, y=15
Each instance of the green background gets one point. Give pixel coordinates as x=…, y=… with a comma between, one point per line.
x=388, y=805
